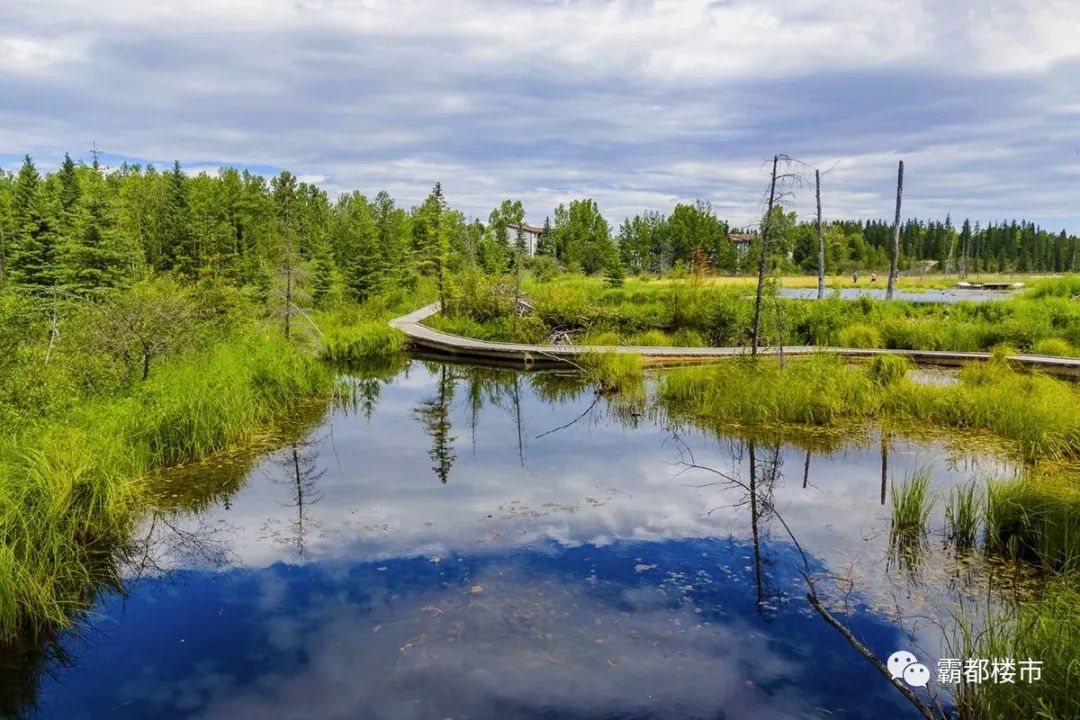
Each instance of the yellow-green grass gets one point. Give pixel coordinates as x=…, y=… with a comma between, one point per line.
x=612, y=371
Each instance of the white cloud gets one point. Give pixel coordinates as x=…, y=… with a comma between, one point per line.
x=640, y=103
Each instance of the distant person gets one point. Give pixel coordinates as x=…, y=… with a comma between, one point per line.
x=873, y=277
x=855, y=278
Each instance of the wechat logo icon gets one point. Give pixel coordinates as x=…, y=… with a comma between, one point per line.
x=905, y=666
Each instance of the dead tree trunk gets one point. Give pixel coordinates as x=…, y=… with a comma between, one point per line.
x=820, y=239
x=3, y=255
x=54, y=331
x=762, y=260
x=895, y=233
x=288, y=286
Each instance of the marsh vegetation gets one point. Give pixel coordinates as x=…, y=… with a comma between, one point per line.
x=155, y=327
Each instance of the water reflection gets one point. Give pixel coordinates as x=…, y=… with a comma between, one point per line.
x=565, y=565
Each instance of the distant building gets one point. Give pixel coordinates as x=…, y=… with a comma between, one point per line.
x=742, y=241
x=530, y=234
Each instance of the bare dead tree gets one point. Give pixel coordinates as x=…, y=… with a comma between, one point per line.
x=54, y=331
x=288, y=280
x=775, y=195
x=765, y=231
x=820, y=239
x=3, y=254
x=895, y=234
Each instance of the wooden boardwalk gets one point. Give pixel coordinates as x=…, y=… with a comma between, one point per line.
x=463, y=348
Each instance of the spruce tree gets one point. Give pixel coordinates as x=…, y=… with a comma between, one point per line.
x=174, y=223
x=33, y=255
x=92, y=260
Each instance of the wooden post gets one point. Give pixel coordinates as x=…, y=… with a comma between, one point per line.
x=895, y=233
x=820, y=239
x=763, y=258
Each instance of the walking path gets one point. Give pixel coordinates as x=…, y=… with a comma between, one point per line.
x=425, y=338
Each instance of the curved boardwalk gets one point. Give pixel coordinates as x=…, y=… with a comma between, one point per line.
x=464, y=348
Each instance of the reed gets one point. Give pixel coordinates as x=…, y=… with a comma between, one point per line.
x=912, y=502
x=963, y=509
x=818, y=390
x=612, y=371
x=1036, y=519
x=346, y=344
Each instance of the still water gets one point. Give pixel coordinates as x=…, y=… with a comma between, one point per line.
x=472, y=544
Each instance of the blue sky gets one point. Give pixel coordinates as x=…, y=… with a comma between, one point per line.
x=637, y=103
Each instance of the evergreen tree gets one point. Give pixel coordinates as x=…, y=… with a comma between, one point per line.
x=174, y=224
x=7, y=222
x=356, y=242
x=545, y=244
x=33, y=256
x=434, y=247
x=92, y=259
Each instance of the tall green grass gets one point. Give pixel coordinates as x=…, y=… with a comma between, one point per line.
x=1044, y=627
x=71, y=486
x=360, y=342
x=1037, y=414
x=912, y=502
x=612, y=371
x=1036, y=519
x=963, y=509
x=818, y=390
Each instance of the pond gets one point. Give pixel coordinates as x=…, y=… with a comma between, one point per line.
x=453, y=542
x=915, y=296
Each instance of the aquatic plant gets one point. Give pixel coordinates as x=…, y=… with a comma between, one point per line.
x=911, y=502
x=1037, y=519
x=1044, y=626
x=963, y=508
x=888, y=369
x=813, y=390
x=362, y=341
x=612, y=371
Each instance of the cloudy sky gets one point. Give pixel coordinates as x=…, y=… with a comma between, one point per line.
x=639, y=104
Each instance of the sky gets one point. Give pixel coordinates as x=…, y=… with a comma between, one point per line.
x=639, y=104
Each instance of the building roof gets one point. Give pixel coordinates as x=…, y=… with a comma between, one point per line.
x=741, y=238
x=525, y=227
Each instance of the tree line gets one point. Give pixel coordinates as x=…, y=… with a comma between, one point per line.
x=84, y=229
